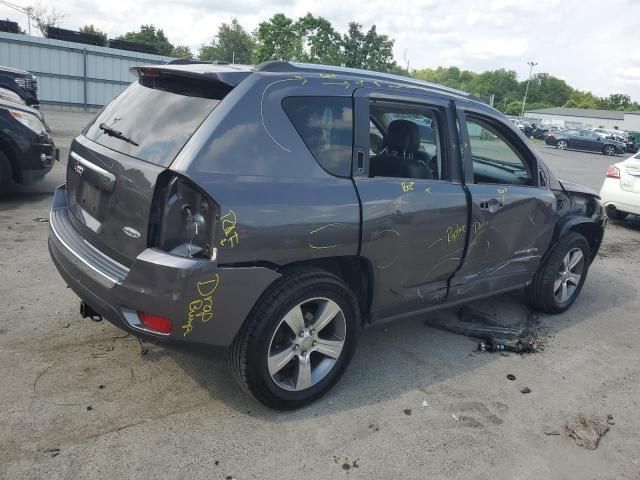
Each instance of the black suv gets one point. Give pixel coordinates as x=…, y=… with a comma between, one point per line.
x=278, y=209
x=27, y=151
x=19, y=83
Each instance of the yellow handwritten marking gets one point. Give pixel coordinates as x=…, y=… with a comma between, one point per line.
x=345, y=84
x=459, y=291
x=428, y=190
x=476, y=227
x=408, y=186
x=327, y=75
x=300, y=77
x=209, y=286
x=502, y=192
x=228, y=222
x=376, y=83
x=455, y=232
x=439, y=240
x=202, y=307
x=360, y=83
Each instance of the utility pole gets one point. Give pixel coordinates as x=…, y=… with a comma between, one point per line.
x=26, y=11
x=526, y=91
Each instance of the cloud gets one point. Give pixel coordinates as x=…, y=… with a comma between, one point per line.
x=578, y=40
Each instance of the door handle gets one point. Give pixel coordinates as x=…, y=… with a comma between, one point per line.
x=360, y=160
x=491, y=205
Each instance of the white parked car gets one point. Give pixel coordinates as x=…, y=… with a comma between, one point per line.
x=620, y=191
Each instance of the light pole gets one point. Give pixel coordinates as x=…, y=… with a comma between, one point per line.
x=526, y=91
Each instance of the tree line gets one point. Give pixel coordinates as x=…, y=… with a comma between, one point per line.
x=313, y=39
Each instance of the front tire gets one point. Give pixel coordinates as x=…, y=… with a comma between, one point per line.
x=297, y=341
x=609, y=150
x=558, y=282
x=562, y=144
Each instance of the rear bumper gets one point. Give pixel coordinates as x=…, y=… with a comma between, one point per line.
x=206, y=304
x=612, y=194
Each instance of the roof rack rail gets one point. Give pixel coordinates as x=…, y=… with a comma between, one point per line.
x=275, y=66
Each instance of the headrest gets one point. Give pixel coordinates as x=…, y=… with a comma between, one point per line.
x=403, y=136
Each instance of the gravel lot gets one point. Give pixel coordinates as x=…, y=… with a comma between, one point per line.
x=80, y=401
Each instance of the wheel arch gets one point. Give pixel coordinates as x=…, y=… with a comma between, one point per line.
x=587, y=227
x=354, y=270
x=9, y=150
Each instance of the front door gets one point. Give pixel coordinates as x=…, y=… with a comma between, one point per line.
x=414, y=211
x=512, y=211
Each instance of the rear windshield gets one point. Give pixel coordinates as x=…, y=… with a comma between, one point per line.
x=156, y=117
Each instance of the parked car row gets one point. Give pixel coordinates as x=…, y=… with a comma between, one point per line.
x=27, y=150
x=584, y=140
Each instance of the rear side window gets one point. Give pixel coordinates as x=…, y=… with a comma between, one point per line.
x=157, y=117
x=325, y=124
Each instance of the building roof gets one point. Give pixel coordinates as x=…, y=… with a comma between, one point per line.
x=582, y=112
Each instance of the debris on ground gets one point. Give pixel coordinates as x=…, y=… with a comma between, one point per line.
x=407, y=411
x=525, y=390
x=610, y=420
x=551, y=431
x=424, y=403
x=53, y=452
x=587, y=430
x=511, y=377
x=494, y=336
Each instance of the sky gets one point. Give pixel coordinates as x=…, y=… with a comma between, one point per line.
x=592, y=45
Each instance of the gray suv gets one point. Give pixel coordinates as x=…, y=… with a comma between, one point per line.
x=276, y=210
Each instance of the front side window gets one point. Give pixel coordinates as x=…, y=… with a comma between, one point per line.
x=325, y=125
x=495, y=159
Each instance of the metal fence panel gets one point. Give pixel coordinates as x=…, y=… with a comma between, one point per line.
x=73, y=74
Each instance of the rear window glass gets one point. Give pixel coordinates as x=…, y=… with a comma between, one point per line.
x=157, y=119
x=326, y=127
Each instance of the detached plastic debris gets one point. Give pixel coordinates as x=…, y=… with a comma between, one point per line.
x=493, y=335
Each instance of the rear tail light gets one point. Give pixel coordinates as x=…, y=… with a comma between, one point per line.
x=613, y=172
x=183, y=220
x=155, y=322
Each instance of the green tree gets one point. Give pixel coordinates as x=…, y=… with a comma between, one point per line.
x=278, y=39
x=149, y=35
x=91, y=30
x=370, y=51
x=616, y=101
x=232, y=44
x=321, y=43
x=182, y=51
x=546, y=88
x=579, y=99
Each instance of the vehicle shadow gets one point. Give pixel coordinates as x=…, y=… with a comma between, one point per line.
x=406, y=356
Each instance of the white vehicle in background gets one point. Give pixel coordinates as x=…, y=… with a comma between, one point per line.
x=620, y=191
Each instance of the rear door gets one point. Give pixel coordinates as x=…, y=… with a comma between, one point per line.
x=512, y=208
x=414, y=209
x=113, y=166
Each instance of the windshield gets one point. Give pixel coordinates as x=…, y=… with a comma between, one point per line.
x=152, y=122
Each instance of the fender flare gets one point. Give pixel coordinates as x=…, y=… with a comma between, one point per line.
x=567, y=224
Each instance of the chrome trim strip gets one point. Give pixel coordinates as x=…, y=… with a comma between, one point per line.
x=105, y=256
x=75, y=254
x=93, y=166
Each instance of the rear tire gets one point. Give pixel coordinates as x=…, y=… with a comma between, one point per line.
x=609, y=150
x=268, y=333
x=6, y=175
x=560, y=275
x=562, y=144
x=614, y=214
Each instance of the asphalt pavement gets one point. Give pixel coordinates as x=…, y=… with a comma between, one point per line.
x=81, y=401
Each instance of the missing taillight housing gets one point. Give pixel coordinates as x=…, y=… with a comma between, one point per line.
x=183, y=219
x=613, y=172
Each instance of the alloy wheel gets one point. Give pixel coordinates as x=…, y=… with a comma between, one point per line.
x=306, y=344
x=568, y=278
x=609, y=150
x=562, y=144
